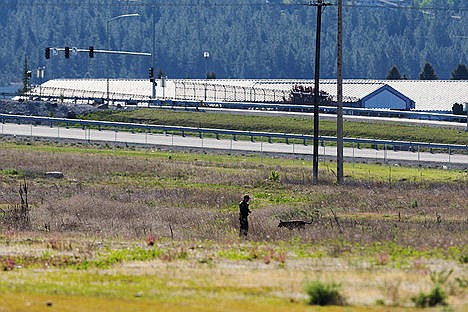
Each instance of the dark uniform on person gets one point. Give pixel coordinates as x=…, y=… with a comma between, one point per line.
x=243, y=215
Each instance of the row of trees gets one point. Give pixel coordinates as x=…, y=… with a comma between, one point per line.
x=245, y=39
x=428, y=73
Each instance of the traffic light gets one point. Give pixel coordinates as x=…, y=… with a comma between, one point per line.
x=67, y=52
x=47, y=53
x=151, y=73
x=91, y=51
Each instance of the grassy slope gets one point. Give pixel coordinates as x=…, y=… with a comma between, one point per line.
x=388, y=131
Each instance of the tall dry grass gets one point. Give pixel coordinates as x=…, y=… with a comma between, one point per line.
x=132, y=196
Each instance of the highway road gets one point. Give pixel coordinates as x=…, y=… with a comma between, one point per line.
x=235, y=146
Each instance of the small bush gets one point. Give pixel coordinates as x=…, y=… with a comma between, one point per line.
x=324, y=293
x=274, y=176
x=8, y=264
x=436, y=297
x=380, y=302
x=463, y=258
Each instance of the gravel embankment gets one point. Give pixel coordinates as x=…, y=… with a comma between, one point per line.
x=45, y=109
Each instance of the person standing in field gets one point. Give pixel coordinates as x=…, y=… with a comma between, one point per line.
x=244, y=212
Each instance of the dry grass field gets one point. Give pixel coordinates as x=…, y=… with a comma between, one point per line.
x=133, y=230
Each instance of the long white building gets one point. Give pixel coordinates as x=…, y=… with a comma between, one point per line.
x=418, y=95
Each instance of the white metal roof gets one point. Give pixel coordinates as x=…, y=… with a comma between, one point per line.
x=428, y=95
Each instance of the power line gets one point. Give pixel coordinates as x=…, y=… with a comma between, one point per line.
x=260, y=3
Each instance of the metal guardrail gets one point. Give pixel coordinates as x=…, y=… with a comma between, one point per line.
x=309, y=108
x=233, y=133
x=80, y=96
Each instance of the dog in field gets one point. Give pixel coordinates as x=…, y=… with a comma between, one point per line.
x=294, y=224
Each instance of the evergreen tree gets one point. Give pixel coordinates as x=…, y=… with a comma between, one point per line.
x=428, y=73
x=249, y=41
x=460, y=73
x=160, y=73
x=393, y=73
x=26, y=76
x=211, y=75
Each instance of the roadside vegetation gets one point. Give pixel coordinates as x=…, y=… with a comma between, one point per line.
x=297, y=125
x=136, y=229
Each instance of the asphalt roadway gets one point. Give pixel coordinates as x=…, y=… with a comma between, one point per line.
x=176, y=141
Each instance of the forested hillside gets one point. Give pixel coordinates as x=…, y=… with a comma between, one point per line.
x=245, y=38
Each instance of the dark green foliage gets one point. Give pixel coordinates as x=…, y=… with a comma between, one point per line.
x=246, y=39
x=457, y=109
x=211, y=75
x=428, y=73
x=436, y=297
x=393, y=73
x=26, y=77
x=460, y=73
x=161, y=73
x=463, y=258
x=324, y=293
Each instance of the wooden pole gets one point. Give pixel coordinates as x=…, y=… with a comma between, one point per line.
x=339, y=111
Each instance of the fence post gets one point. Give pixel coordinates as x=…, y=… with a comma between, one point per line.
x=324, y=151
x=146, y=138
x=419, y=157
x=354, y=143
x=385, y=153
x=261, y=145
x=201, y=138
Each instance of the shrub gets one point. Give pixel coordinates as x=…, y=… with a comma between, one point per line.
x=274, y=176
x=463, y=258
x=324, y=293
x=8, y=264
x=436, y=297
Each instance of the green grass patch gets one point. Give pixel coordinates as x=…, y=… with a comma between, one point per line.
x=10, y=172
x=282, y=124
x=229, y=163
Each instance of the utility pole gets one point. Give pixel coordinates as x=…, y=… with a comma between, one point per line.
x=153, y=26
x=319, y=4
x=339, y=92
